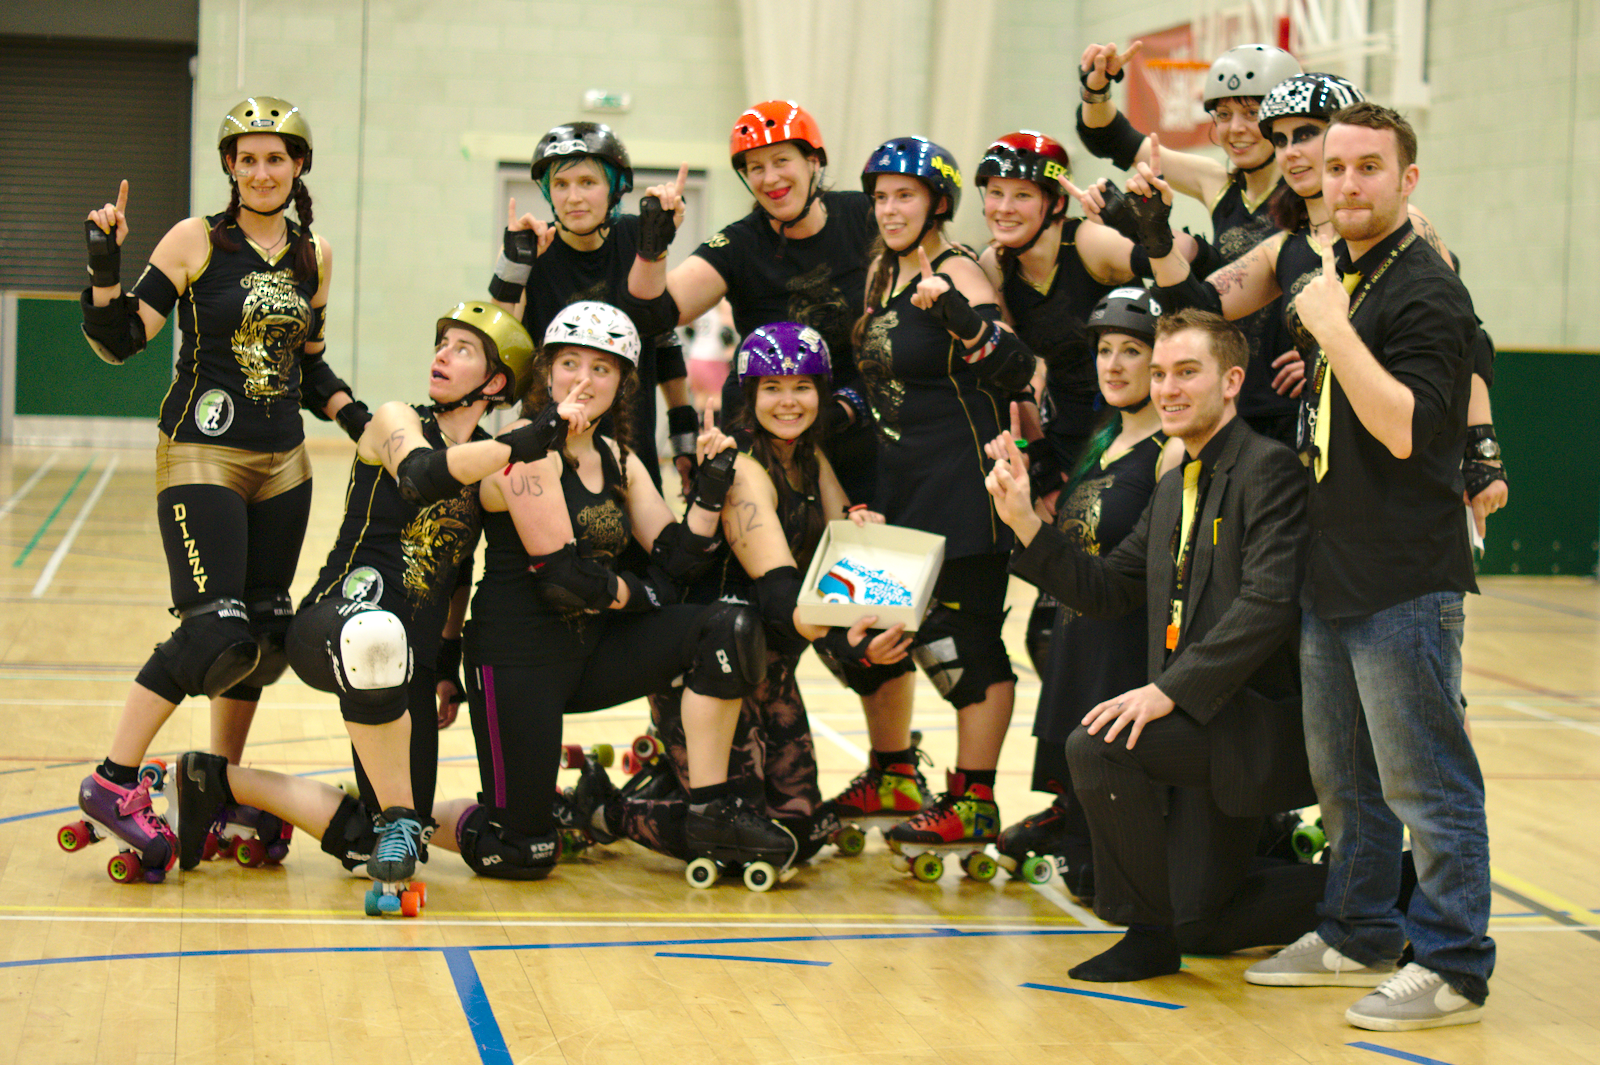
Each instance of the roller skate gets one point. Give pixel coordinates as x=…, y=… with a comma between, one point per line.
x=963, y=819
x=147, y=847
x=1042, y=845
x=593, y=804
x=267, y=844
x=730, y=837
x=401, y=837
x=879, y=794
x=645, y=751
x=576, y=756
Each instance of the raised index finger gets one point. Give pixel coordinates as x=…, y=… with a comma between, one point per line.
x=1016, y=423
x=511, y=213
x=683, y=176
x=927, y=267
x=1132, y=51
x=122, y=196
x=1155, y=154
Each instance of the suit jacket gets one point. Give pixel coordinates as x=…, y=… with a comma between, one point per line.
x=1236, y=667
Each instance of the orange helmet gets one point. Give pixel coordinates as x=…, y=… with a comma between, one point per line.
x=773, y=122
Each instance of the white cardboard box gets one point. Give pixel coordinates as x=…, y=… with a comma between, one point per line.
x=914, y=557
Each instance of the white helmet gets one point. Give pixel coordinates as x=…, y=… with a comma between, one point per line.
x=595, y=325
x=1248, y=70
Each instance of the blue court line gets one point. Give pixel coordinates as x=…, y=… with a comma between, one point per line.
x=492, y=1049
x=741, y=957
x=1401, y=1054
x=52, y=517
x=1102, y=994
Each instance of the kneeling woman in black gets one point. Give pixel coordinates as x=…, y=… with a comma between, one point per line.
x=557, y=629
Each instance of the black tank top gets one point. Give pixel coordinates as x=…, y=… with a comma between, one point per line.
x=401, y=556
x=506, y=612
x=242, y=322
x=1051, y=323
x=1238, y=227
x=934, y=415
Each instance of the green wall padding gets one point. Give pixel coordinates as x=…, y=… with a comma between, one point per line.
x=57, y=373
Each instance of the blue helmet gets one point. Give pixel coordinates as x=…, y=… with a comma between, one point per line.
x=919, y=157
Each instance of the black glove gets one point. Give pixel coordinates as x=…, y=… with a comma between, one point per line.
x=713, y=480
x=656, y=229
x=353, y=418
x=952, y=311
x=547, y=432
x=521, y=246
x=448, y=665
x=105, y=255
x=1153, y=217
x=1479, y=475
x=836, y=642
x=1117, y=213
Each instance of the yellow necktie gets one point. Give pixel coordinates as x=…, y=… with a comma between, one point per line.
x=1191, y=492
x=1319, y=465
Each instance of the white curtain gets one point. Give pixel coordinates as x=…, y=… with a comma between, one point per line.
x=868, y=70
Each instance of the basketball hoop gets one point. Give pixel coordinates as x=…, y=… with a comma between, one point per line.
x=1178, y=84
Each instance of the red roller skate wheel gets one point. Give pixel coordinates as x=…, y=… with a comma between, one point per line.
x=630, y=763
x=571, y=756
x=75, y=836
x=125, y=868
x=647, y=748
x=250, y=853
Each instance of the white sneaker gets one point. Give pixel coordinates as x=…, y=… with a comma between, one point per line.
x=1310, y=962
x=1413, y=998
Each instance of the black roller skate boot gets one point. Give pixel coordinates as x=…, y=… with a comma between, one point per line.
x=1050, y=843
x=730, y=837
x=402, y=843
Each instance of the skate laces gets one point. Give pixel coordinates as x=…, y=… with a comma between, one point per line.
x=1408, y=981
x=135, y=800
x=398, y=840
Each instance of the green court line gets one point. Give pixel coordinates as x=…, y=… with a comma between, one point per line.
x=40, y=534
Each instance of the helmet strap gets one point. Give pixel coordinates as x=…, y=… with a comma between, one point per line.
x=472, y=397
x=1271, y=158
x=813, y=191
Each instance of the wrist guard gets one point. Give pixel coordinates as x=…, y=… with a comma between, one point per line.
x=836, y=642
x=1044, y=470
x=1118, y=213
x=1117, y=141
x=1479, y=475
x=547, y=432
x=1152, y=216
x=1481, y=443
x=656, y=229
x=569, y=582
x=713, y=479
x=447, y=666
x=520, y=247
x=643, y=594
x=105, y=255
x=1083, y=79
x=424, y=477
x=353, y=418
x=115, y=332
x=1002, y=361
x=954, y=312
x=682, y=431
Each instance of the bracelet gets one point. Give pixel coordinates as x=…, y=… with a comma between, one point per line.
x=1090, y=96
x=1022, y=445
x=853, y=509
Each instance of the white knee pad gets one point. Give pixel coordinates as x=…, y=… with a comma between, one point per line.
x=372, y=652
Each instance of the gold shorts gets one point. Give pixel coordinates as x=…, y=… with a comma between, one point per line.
x=256, y=475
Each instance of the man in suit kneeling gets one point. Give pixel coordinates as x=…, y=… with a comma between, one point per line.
x=1219, y=557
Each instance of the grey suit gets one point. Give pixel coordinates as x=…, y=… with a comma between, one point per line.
x=1234, y=748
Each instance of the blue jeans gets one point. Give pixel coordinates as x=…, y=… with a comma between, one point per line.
x=1389, y=752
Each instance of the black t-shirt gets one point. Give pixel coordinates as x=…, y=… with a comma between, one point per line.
x=1051, y=323
x=934, y=415
x=401, y=556
x=818, y=280
x=1237, y=227
x=242, y=325
x=1385, y=530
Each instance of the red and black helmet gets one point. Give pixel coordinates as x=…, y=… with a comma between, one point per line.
x=773, y=122
x=1027, y=156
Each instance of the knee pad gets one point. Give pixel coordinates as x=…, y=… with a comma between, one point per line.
x=350, y=836
x=962, y=654
x=212, y=649
x=371, y=659
x=491, y=849
x=728, y=646
x=270, y=615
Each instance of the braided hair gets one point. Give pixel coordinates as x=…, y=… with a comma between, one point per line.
x=304, y=256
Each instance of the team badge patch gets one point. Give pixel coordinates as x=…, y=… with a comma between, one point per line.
x=213, y=413
x=364, y=585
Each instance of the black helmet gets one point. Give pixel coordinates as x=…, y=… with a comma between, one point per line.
x=1131, y=309
x=1307, y=96
x=578, y=139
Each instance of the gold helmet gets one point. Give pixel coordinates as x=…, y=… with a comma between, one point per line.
x=264, y=114
x=510, y=348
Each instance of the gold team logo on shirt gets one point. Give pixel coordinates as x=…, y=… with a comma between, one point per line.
x=435, y=538
x=876, y=362
x=718, y=240
x=273, y=327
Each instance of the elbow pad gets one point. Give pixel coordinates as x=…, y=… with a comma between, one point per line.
x=1002, y=361
x=669, y=352
x=1190, y=292
x=1118, y=142
x=115, y=332
x=682, y=555
x=777, y=592
x=569, y=582
x=424, y=477
x=683, y=431
x=318, y=385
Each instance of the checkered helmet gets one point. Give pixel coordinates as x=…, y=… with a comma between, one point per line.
x=1307, y=96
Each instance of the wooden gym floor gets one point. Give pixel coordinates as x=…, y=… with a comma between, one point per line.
x=615, y=958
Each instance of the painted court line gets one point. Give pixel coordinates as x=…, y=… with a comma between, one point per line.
x=1060, y=898
x=65, y=546
x=27, y=486
x=837, y=738
x=1401, y=1054
x=741, y=957
x=1104, y=995
x=486, y=1034
x=1550, y=718
x=26, y=551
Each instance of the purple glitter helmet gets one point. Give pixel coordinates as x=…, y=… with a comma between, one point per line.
x=783, y=349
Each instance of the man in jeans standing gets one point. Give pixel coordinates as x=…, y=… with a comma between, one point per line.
x=1380, y=653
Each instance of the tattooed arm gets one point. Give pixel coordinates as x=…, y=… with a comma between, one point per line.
x=1250, y=282
x=1425, y=230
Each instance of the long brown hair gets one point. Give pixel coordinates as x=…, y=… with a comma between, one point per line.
x=621, y=413
x=304, y=258
x=801, y=541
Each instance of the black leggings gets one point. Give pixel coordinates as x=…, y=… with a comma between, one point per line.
x=517, y=710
